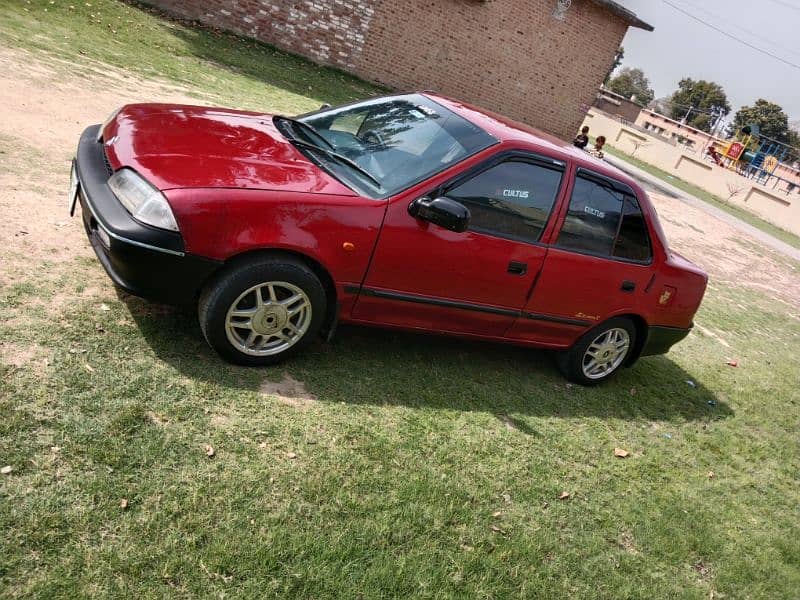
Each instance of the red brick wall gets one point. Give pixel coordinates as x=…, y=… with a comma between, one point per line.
x=329, y=32
x=510, y=56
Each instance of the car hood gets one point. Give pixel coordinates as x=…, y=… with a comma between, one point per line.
x=177, y=146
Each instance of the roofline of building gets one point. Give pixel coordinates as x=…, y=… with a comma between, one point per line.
x=627, y=15
x=605, y=90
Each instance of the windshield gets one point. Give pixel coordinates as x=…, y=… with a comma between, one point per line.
x=394, y=142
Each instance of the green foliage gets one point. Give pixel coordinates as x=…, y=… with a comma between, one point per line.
x=770, y=118
x=219, y=66
x=772, y=122
x=632, y=82
x=705, y=97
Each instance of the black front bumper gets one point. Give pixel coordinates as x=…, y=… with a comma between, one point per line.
x=142, y=260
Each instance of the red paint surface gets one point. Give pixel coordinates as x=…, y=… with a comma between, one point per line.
x=236, y=186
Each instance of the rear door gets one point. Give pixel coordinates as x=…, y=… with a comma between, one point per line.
x=424, y=276
x=599, y=264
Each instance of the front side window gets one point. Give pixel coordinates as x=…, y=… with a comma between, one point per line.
x=604, y=220
x=512, y=199
x=398, y=141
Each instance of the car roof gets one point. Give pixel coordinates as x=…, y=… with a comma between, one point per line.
x=505, y=129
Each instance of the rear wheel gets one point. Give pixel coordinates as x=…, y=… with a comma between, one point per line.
x=599, y=353
x=262, y=310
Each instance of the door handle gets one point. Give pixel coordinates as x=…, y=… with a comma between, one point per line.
x=628, y=286
x=517, y=268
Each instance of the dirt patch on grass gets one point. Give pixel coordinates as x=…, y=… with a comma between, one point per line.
x=288, y=391
x=627, y=543
x=45, y=109
x=19, y=356
x=726, y=253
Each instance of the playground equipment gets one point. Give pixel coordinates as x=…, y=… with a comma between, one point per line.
x=742, y=157
x=736, y=149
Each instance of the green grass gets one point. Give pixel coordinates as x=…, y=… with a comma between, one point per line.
x=215, y=65
x=412, y=447
x=746, y=216
x=425, y=467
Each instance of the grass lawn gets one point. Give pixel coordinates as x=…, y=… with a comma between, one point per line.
x=404, y=465
x=215, y=65
x=746, y=216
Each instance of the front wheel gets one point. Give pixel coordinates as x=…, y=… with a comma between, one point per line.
x=263, y=310
x=599, y=353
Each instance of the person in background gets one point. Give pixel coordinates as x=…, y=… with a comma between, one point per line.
x=712, y=152
x=582, y=139
x=597, y=149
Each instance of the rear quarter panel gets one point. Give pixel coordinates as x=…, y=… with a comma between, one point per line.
x=678, y=290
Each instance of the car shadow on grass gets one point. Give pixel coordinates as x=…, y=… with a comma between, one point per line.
x=376, y=367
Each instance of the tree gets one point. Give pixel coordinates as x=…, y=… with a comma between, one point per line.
x=772, y=122
x=617, y=62
x=637, y=143
x=734, y=189
x=701, y=100
x=770, y=118
x=632, y=82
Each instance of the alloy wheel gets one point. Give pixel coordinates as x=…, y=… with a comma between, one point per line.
x=605, y=353
x=268, y=318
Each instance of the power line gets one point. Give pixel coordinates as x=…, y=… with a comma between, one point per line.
x=733, y=37
x=769, y=41
x=786, y=4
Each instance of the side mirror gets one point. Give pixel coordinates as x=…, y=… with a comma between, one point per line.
x=442, y=211
x=324, y=106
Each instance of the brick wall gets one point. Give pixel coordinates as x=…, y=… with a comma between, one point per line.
x=510, y=56
x=329, y=32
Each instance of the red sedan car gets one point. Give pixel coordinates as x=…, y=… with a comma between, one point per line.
x=411, y=211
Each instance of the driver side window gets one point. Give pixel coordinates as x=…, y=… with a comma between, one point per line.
x=513, y=199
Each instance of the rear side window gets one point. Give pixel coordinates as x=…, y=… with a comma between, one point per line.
x=604, y=221
x=512, y=199
x=633, y=242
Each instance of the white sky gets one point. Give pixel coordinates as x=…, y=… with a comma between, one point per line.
x=681, y=47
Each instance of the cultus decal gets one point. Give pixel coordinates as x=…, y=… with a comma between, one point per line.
x=515, y=193
x=594, y=211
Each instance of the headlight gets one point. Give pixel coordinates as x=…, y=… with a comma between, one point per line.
x=108, y=120
x=143, y=201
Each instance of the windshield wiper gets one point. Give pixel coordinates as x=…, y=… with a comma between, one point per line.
x=308, y=128
x=341, y=158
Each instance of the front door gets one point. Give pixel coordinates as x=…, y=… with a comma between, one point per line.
x=475, y=282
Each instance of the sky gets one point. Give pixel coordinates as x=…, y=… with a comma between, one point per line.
x=681, y=47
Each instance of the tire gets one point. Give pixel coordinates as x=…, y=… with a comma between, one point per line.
x=247, y=332
x=606, y=342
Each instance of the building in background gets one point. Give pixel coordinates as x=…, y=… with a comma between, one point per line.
x=538, y=61
x=674, y=131
x=619, y=106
